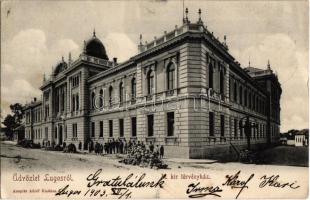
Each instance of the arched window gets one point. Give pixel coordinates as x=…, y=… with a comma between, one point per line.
x=170, y=76
x=121, y=92
x=210, y=76
x=101, y=98
x=222, y=82
x=133, y=88
x=93, y=100
x=150, y=82
x=110, y=95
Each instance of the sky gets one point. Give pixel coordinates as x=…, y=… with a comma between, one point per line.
x=36, y=34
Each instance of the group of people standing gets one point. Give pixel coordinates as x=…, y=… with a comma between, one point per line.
x=119, y=146
x=151, y=156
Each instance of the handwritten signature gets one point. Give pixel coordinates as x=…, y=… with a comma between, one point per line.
x=234, y=182
x=201, y=191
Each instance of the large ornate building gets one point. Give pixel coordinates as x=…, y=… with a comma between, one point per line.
x=183, y=90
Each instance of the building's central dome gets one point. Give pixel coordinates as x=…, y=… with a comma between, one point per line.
x=95, y=48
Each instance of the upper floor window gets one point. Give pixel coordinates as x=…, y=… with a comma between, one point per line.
x=133, y=88
x=210, y=75
x=245, y=97
x=150, y=82
x=110, y=95
x=73, y=103
x=75, y=81
x=235, y=91
x=77, y=102
x=121, y=92
x=101, y=98
x=222, y=83
x=240, y=95
x=93, y=100
x=170, y=76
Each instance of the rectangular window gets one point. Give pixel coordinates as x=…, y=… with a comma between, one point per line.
x=241, y=129
x=74, y=130
x=92, y=129
x=222, y=125
x=121, y=127
x=235, y=128
x=65, y=132
x=101, y=129
x=134, y=127
x=211, y=123
x=210, y=66
x=46, y=132
x=110, y=128
x=170, y=123
x=150, y=124
x=240, y=95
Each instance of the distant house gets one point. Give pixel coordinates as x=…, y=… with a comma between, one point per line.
x=295, y=138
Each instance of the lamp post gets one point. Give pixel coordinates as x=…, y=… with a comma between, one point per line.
x=247, y=129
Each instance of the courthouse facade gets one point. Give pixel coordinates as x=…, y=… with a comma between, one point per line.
x=183, y=90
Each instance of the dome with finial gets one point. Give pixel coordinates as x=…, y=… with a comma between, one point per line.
x=94, y=47
x=61, y=66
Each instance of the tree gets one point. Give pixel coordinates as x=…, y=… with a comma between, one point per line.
x=13, y=121
x=17, y=110
x=10, y=124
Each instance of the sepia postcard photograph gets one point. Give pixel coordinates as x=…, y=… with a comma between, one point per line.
x=154, y=99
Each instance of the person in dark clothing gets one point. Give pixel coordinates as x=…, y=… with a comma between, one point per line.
x=125, y=147
x=101, y=149
x=97, y=148
x=113, y=144
x=110, y=147
x=117, y=146
x=161, y=151
x=151, y=147
x=121, y=147
x=105, y=146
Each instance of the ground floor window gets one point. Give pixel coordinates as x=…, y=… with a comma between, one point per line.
x=134, y=127
x=241, y=129
x=170, y=123
x=74, y=130
x=55, y=132
x=101, y=129
x=222, y=125
x=110, y=128
x=92, y=129
x=235, y=128
x=150, y=124
x=121, y=127
x=211, y=123
x=65, y=132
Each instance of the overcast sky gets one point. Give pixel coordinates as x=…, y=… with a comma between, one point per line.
x=35, y=34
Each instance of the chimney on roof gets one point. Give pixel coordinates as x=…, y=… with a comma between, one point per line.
x=115, y=61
